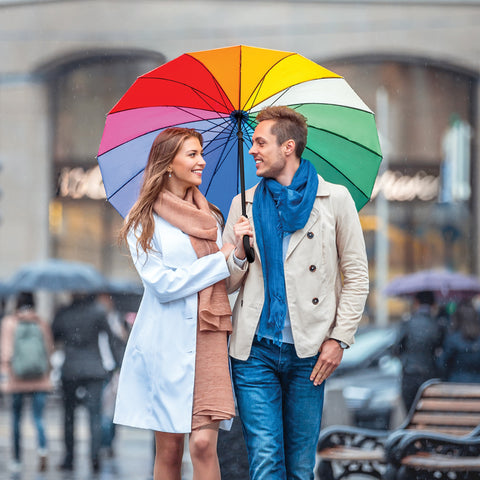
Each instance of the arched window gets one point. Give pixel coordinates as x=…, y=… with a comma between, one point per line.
x=425, y=112
x=83, y=226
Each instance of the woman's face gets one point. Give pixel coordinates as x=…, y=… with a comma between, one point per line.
x=186, y=168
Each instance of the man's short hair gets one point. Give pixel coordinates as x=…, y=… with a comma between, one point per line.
x=289, y=124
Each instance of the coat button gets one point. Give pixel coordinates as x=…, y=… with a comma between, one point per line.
x=310, y=234
x=315, y=301
x=312, y=268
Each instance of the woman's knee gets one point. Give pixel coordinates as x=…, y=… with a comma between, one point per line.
x=203, y=444
x=169, y=448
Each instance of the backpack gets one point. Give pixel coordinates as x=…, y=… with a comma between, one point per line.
x=30, y=358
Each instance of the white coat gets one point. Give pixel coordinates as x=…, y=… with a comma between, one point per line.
x=156, y=381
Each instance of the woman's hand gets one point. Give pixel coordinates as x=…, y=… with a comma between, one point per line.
x=227, y=249
x=240, y=229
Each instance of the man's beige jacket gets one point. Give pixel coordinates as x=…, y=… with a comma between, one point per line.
x=326, y=275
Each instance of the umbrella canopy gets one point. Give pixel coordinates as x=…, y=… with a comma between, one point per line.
x=58, y=275
x=122, y=286
x=219, y=93
x=126, y=294
x=444, y=283
x=5, y=290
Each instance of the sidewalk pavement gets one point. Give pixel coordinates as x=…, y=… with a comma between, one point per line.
x=133, y=448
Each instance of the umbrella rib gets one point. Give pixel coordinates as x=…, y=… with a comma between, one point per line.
x=364, y=147
x=196, y=90
x=222, y=147
x=125, y=183
x=258, y=87
x=223, y=156
x=190, y=111
x=140, y=171
x=250, y=122
x=222, y=92
x=256, y=90
x=214, y=125
x=210, y=121
x=337, y=170
x=183, y=109
x=199, y=93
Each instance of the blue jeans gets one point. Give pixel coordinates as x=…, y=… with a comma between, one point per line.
x=38, y=406
x=280, y=410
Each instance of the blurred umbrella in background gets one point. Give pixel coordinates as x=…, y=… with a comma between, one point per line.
x=58, y=275
x=444, y=283
x=5, y=290
x=123, y=286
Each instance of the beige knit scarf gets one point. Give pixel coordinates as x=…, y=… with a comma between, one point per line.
x=192, y=215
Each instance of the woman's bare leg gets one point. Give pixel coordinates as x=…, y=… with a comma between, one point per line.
x=203, y=452
x=168, y=456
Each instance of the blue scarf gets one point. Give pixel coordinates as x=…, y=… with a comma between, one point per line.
x=279, y=211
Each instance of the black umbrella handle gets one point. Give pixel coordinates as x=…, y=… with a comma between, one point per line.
x=249, y=252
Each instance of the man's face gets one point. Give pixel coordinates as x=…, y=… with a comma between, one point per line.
x=268, y=155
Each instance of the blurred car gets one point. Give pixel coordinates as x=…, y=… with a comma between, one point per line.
x=366, y=385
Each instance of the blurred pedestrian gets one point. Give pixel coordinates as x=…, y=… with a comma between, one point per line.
x=299, y=303
x=26, y=347
x=120, y=335
x=175, y=377
x=78, y=327
x=419, y=344
x=460, y=358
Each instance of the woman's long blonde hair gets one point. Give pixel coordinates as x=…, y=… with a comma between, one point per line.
x=164, y=149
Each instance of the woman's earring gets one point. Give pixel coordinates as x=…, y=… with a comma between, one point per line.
x=169, y=174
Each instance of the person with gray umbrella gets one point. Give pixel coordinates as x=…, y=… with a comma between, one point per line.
x=78, y=327
x=420, y=340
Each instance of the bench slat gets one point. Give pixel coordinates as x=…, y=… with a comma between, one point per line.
x=426, y=419
x=445, y=405
x=453, y=390
x=352, y=454
x=433, y=462
x=457, y=431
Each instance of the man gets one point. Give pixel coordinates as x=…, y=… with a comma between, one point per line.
x=293, y=315
x=78, y=326
x=420, y=339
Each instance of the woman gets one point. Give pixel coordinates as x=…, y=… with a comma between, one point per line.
x=26, y=332
x=175, y=376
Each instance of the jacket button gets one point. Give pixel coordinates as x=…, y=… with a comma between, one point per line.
x=312, y=268
x=310, y=234
x=315, y=301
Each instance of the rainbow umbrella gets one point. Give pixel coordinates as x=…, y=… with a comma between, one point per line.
x=219, y=93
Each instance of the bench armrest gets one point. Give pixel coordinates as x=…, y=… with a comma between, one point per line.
x=414, y=442
x=336, y=435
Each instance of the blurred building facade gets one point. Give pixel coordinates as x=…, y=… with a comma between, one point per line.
x=64, y=64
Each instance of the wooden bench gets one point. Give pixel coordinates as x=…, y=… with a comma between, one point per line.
x=435, y=456
x=442, y=408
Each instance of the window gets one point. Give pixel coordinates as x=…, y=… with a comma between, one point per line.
x=83, y=225
x=430, y=120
